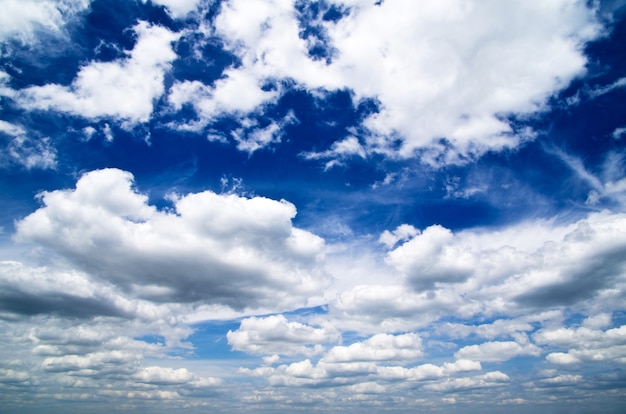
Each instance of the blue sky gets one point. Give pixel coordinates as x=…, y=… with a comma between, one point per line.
x=288, y=206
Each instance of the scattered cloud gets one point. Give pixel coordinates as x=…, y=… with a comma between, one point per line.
x=468, y=251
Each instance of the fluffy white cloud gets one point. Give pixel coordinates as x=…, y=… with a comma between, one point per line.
x=497, y=351
x=169, y=376
x=375, y=360
x=427, y=371
x=22, y=18
x=584, y=344
x=220, y=249
x=276, y=335
x=380, y=347
x=403, y=232
x=453, y=70
x=490, y=379
x=237, y=93
x=124, y=89
x=429, y=258
x=529, y=267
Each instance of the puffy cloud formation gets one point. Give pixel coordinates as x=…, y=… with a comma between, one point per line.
x=585, y=344
x=380, y=347
x=365, y=365
x=276, y=335
x=532, y=267
x=211, y=248
x=454, y=71
x=124, y=89
x=497, y=351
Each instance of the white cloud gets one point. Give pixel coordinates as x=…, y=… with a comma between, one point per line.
x=215, y=249
x=490, y=379
x=25, y=151
x=562, y=380
x=403, y=233
x=178, y=8
x=497, y=351
x=618, y=133
x=429, y=258
x=11, y=129
x=124, y=89
x=380, y=347
x=603, y=90
x=32, y=153
x=87, y=364
x=528, y=267
x=357, y=372
x=251, y=137
x=584, y=344
x=452, y=70
x=276, y=335
x=237, y=93
x=170, y=376
x=10, y=376
x=338, y=152
x=22, y=18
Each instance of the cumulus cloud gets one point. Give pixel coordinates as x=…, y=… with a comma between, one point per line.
x=379, y=358
x=32, y=291
x=488, y=380
x=276, y=335
x=380, y=347
x=170, y=376
x=429, y=258
x=403, y=232
x=497, y=351
x=215, y=249
x=124, y=89
x=584, y=344
x=536, y=267
x=451, y=71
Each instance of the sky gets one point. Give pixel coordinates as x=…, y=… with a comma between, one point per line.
x=330, y=206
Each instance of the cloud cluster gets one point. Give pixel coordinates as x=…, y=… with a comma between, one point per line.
x=446, y=76
x=587, y=343
x=375, y=366
x=528, y=267
x=211, y=248
x=126, y=276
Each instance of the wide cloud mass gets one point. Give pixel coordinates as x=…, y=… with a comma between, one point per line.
x=220, y=249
